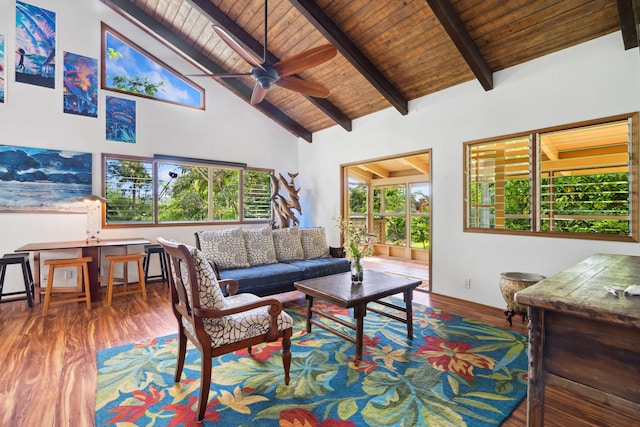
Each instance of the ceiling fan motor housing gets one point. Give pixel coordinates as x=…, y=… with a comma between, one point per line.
x=265, y=77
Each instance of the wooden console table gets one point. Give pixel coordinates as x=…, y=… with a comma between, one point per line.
x=584, y=339
x=91, y=248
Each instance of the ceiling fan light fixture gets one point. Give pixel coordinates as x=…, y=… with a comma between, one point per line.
x=265, y=77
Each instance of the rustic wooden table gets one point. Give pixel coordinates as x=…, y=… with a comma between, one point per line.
x=582, y=337
x=337, y=289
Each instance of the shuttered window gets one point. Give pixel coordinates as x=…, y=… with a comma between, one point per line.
x=573, y=181
x=170, y=190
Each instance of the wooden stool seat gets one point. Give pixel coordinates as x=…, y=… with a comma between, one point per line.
x=27, y=277
x=125, y=289
x=65, y=295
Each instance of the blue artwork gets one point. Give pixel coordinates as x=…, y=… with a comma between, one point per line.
x=42, y=179
x=1, y=68
x=80, y=85
x=121, y=120
x=35, y=45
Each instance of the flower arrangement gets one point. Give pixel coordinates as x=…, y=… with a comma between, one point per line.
x=357, y=241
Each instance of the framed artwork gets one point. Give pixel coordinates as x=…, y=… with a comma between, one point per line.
x=2, y=66
x=121, y=120
x=35, y=45
x=38, y=179
x=80, y=85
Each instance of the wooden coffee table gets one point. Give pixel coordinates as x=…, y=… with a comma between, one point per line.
x=337, y=289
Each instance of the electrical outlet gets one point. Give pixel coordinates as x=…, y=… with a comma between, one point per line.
x=68, y=274
x=467, y=283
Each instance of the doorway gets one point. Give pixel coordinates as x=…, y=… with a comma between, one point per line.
x=391, y=197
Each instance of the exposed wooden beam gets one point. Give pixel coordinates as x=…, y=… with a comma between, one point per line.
x=450, y=20
x=375, y=169
x=314, y=14
x=420, y=166
x=357, y=171
x=629, y=22
x=138, y=17
x=209, y=9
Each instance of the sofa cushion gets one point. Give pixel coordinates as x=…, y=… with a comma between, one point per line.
x=312, y=268
x=314, y=243
x=260, y=249
x=225, y=247
x=287, y=244
x=264, y=279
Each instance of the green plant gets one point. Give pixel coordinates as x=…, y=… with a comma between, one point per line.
x=357, y=240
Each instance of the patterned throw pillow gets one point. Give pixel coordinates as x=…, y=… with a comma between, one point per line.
x=260, y=249
x=314, y=243
x=225, y=247
x=208, y=288
x=287, y=243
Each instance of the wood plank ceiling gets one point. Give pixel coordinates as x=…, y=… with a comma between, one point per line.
x=389, y=51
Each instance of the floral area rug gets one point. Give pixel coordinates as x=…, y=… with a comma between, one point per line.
x=455, y=372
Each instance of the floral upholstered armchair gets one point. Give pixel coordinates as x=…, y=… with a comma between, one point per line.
x=217, y=324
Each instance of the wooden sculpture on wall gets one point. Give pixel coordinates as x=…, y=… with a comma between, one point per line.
x=282, y=206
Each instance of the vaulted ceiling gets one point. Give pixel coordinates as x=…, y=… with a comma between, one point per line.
x=389, y=51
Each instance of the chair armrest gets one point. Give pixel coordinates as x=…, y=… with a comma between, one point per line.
x=336, y=252
x=231, y=285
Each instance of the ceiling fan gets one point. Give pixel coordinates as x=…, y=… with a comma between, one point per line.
x=281, y=73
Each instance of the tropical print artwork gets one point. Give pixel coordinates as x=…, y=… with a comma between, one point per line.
x=35, y=45
x=455, y=372
x=121, y=120
x=2, y=66
x=80, y=85
x=42, y=179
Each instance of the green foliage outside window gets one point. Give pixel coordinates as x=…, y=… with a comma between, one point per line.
x=129, y=191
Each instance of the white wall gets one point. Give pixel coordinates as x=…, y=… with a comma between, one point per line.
x=32, y=116
x=592, y=80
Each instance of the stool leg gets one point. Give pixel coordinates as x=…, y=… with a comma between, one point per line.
x=49, y=290
x=110, y=283
x=146, y=266
x=163, y=267
x=142, y=280
x=87, y=288
x=27, y=284
x=3, y=268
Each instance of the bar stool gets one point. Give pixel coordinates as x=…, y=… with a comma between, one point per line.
x=155, y=249
x=64, y=295
x=22, y=259
x=126, y=289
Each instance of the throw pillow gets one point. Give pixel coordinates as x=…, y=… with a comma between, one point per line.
x=260, y=249
x=287, y=244
x=225, y=247
x=314, y=243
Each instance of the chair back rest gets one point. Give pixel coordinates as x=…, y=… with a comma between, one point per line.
x=191, y=274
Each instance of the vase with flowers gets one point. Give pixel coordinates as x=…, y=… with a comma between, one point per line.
x=357, y=244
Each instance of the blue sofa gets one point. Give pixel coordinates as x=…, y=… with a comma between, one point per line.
x=267, y=262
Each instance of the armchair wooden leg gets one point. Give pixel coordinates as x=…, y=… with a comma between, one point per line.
x=182, y=349
x=205, y=384
x=286, y=354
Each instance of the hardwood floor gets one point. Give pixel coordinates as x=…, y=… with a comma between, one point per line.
x=48, y=366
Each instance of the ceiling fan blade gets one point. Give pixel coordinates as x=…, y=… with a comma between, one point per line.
x=236, y=47
x=258, y=94
x=304, y=87
x=220, y=75
x=307, y=59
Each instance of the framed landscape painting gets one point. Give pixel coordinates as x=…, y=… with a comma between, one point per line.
x=37, y=179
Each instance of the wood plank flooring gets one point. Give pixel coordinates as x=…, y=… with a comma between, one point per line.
x=48, y=366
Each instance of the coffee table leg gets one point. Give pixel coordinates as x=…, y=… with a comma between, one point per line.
x=408, y=297
x=359, y=312
x=309, y=313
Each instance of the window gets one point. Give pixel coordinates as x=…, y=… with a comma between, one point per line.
x=571, y=181
x=128, y=68
x=169, y=190
x=389, y=209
